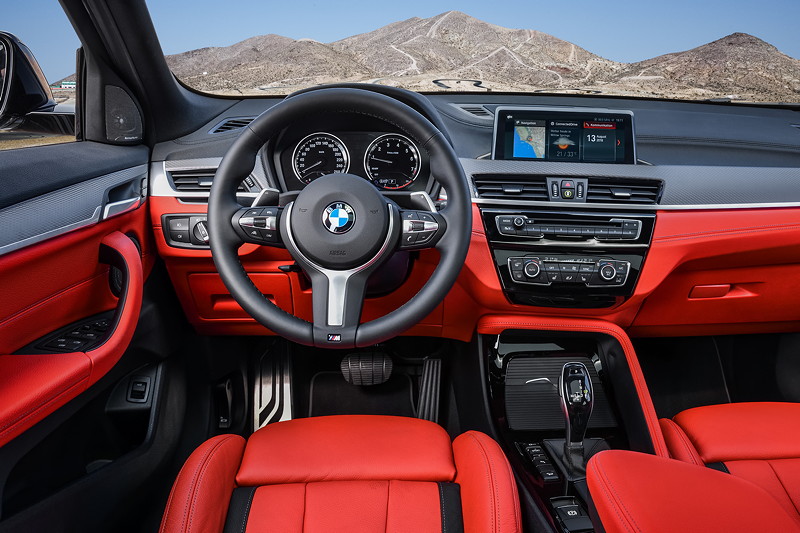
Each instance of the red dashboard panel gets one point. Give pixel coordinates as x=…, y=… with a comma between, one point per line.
x=707, y=271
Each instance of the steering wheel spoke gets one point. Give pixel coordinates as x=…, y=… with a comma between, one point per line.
x=338, y=296
x=259, y=225
x=421, y=229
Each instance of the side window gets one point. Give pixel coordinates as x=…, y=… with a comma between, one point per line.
x=38, y=85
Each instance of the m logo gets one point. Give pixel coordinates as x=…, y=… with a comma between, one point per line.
x=334, y=337
x=338, y=217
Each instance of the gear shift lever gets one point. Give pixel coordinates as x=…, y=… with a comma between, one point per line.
x=577, y=400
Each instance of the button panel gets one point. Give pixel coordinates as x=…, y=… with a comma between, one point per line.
x=422, y=229
x=616, y=229
x=541, y=462
x=591, y=272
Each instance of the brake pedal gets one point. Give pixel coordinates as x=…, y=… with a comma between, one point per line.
x=366, y=368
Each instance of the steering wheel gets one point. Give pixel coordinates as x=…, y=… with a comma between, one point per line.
x=340, y=228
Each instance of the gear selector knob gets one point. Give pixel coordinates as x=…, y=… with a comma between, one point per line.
x=577, y=400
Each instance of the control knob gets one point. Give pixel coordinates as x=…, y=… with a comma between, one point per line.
x=608, y=272
x=519, y=222
x=532, y=269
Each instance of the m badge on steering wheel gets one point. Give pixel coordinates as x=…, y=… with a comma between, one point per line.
x=338, y=217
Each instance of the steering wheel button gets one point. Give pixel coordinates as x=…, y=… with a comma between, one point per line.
x=252, y=212
x=427, y=217
x=409, y=238
x=410, y=215
x=424, y=236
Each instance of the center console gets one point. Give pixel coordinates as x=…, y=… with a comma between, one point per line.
x=568, y=259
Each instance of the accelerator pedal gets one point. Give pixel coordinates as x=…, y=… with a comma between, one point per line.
x=428, y=406
x=366, y=368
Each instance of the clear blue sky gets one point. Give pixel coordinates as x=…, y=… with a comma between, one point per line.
x=621, y=30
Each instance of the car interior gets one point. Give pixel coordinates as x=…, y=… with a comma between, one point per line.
x=235, y=314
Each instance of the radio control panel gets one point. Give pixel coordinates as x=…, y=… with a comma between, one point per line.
x=587, y=271
x=615, y=229
x=581, y=258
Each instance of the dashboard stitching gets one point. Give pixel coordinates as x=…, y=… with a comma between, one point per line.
x=736, y=231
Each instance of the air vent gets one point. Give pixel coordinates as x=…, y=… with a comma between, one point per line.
x=195, y=180
x=511, y=187
x=476, y=110
x=231, y=124
x=617, y=191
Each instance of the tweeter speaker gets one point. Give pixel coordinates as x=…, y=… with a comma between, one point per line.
x=123, y=119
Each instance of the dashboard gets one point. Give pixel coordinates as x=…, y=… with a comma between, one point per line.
x=693, y=228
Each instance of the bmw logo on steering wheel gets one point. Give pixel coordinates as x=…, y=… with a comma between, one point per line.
x=338, y=217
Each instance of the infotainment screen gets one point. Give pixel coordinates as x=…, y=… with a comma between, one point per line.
x=555, y=134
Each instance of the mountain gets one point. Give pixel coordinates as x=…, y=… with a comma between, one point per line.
x=739, y=66
x=448, y=50
x=454, y=44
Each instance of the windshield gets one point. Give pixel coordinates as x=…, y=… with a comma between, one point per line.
x=676, y=50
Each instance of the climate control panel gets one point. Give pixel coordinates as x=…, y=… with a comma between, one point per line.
x=587, y=271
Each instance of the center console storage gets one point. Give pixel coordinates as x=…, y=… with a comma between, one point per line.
x=575, y=259
x=557, y=399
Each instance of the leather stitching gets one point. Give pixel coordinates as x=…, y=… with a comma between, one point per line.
x=783, y=486
x=684, y=439
x=441, y=506
x=734, y=231
x=649, y=414
x=492, y=481
x=613, y=498
x=197, y=479
x=247, y=511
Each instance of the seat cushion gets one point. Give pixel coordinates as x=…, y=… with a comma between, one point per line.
x=346, y=473
x=759, y=442
x=636, y=492
x=339, y=448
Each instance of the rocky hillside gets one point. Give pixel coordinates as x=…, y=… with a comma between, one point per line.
x=452, y=49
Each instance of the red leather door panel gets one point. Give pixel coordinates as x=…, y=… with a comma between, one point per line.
x=49, y=285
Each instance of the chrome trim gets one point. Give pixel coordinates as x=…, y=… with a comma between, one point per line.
x=123, y=206
x=634, y=207
x=57, y=212
x=426, y=198
x=427, y=225
x=337, y=279
x=161, y=185
x=322, y=133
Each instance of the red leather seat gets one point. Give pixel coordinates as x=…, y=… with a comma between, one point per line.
x=348, y=474
x=759, y=442
x=756, y=447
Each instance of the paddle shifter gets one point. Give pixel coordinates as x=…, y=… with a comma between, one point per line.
x=577, y=399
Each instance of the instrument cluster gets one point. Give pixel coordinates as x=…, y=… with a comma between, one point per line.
x=391, y=161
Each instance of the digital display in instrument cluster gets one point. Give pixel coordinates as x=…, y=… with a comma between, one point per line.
x=552, y=134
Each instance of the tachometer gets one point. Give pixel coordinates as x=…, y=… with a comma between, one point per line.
x=319, y=154
x=392, y=162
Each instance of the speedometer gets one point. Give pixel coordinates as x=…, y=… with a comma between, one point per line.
x=392, y=162
x=319, y=154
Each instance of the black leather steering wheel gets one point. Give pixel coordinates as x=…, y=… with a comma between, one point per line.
x=340, y=228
